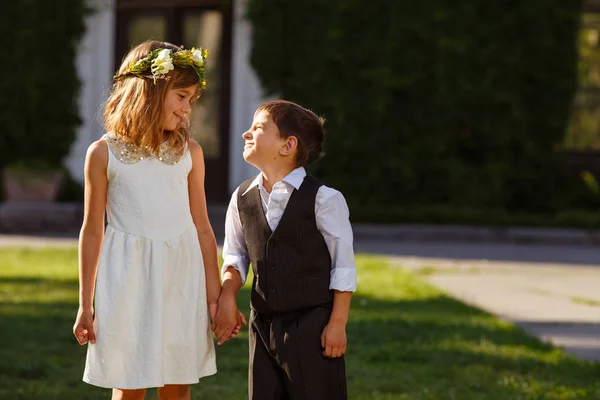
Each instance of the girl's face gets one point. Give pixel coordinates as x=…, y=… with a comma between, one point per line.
x=177, y=106
x=262, y=140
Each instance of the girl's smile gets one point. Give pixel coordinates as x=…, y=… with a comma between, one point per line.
x=178, y=104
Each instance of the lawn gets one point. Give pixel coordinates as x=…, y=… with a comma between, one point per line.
x=407, y=340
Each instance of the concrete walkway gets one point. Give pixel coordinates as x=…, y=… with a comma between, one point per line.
x=36, y=242
x=558, y=303
x=551, y=290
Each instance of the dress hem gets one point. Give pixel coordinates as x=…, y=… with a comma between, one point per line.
x=190, y=381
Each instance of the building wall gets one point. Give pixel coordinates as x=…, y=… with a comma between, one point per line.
x=95, y=64
x=246, y=96
x=95, y=70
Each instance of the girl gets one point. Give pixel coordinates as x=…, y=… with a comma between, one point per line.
x=157, y=280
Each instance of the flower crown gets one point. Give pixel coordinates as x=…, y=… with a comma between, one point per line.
x=161, y=61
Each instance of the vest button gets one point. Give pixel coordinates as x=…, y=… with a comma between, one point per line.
x=272, y=290
x=273, y=243
x=273, y=267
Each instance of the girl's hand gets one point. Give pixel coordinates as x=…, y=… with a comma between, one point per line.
x=212, y=310
x=227, y=320
x=84, y=326
x=241, y=320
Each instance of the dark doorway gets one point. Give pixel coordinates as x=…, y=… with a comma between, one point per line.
x=191, y=23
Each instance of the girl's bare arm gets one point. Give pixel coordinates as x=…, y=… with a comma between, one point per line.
x=90, y=237
x=206, y=236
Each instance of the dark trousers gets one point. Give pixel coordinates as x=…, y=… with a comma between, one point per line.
x=286, y=358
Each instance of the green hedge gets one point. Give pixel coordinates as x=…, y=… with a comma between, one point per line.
x=431, y=103
x=39, y=86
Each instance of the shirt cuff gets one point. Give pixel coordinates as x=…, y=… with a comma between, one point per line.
x=239, y=263
x=343, y=279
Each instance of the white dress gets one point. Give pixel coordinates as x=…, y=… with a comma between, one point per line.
x=152, y=323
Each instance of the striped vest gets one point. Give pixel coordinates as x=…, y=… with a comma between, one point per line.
x=292, y=265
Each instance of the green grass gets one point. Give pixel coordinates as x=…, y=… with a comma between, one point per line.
x=406, y=341
x=587, y=302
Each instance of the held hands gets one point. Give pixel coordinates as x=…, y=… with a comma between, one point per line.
x=333, y=340
x=227, y=318
x=84, y=326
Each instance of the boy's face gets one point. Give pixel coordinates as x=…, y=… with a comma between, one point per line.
x=263, y=142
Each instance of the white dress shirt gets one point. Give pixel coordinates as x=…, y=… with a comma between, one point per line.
x=332, y=216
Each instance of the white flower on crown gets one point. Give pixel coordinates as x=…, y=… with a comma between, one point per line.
x=163, y=63
x=197, y=56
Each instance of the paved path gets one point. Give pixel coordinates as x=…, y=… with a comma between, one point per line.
x=552, y=291
x=36, y=241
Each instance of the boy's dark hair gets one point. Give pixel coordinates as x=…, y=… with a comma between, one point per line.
x=294, y=120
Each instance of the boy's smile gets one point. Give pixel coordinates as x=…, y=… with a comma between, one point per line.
x=263, y=140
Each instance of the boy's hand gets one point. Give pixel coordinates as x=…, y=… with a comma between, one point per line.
x=238, y=327
x=228, y=320
x=241, y=322
x=333, y=340
x=84, y=326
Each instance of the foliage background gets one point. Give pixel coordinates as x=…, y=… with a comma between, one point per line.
x=436, y=111
x=39, y=86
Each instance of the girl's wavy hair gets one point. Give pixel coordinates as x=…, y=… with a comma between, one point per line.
x=133, y=110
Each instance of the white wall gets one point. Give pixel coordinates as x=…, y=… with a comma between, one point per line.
x=95, y=66
x=95, y=69
x=246, y=96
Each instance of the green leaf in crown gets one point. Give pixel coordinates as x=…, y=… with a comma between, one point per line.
x=161, y=61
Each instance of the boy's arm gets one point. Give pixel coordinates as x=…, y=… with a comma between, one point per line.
x=234, y=272
x=333, y=221
x=235, y=253
x=232, y=282
x=333, y=338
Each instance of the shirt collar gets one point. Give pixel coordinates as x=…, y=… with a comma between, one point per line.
x=294, y=178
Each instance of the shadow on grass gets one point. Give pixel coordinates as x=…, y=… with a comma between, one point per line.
x=431, y=348
x=444, y=344
x=36, y=285
x=33, y=280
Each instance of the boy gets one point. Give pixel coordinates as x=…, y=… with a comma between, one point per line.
x=296, y=233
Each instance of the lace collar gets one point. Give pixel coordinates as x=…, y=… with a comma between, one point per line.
x=128, y=153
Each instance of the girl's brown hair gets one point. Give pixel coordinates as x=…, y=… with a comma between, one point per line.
x=133, y=110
